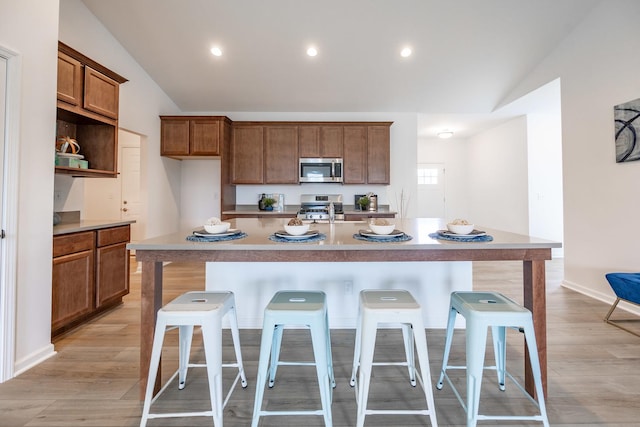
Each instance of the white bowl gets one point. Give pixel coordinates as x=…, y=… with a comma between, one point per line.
x=217, y=228
x=460, y=228
x=382, y=229
x=296, y=230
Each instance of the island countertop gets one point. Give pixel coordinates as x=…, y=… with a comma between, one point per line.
x=339, y=236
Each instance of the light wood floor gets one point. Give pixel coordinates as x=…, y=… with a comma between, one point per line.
x=594, y=369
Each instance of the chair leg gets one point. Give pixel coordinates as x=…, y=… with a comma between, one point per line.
x=235, y=334
x=407, y=335
x=447, y=346
x=425, y=370
x=356, y=350
x=499, y=335
x=154, y=363
x=319, y=343
x=530, y=339
x=367, y=346
x=476, y=337
x=275, y=353
x=263, y=367
x=212, y=337
x=185, y=338
x=329, y=354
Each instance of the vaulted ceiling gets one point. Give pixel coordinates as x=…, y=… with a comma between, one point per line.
x=467, y=55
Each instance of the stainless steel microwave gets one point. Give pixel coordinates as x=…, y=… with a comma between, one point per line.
x=320, y=170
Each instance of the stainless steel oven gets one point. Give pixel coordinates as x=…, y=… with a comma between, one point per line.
x=320, y=170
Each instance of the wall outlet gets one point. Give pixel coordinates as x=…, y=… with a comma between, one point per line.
x=348, y=287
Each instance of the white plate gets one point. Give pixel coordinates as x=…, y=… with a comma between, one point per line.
x=307, y=235
x=392, y=235
x=203, y=233
x=71, y=155
x=474, y=233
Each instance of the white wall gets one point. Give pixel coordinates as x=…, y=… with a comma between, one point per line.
x=498, y=184
x=598, y=67
x=30, y=28
x=141, y=102
x=200, y=191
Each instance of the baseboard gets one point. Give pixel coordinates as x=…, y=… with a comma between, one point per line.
x=600, y=296
x=34, y=359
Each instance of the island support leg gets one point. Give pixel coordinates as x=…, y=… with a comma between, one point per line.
x=150, y=302
x=535, y=300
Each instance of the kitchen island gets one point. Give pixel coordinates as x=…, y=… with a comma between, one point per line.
x=340, y=246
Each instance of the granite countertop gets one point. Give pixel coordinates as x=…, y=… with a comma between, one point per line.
x=83, y=225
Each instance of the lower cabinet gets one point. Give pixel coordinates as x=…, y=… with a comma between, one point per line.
x=90, y=274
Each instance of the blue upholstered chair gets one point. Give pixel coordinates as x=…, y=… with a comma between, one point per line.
x=627, y=288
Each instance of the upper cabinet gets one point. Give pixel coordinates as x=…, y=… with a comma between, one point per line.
x=183, y=137
x=320, y=141
x=87, y=111
x=247, y=154
x=281, y=155
x=378, y=155
x=367, y=154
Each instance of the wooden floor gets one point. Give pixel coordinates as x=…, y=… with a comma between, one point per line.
x=594, y=369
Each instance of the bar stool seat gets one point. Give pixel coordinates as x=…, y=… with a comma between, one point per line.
x=390, y=308
x=205, y=309
x=295, y=308
x=481, y=310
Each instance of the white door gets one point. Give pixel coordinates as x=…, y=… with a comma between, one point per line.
x=431, y=186
x=119, y=198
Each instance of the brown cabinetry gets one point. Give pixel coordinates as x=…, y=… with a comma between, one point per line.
x=281, y=155
x=87, y=111
x=199, y=137
x=112, y=265
x=90, y=273
x=247, y=154
x=355, y=154
x=72, y=278
x=378, y=155
x=367, y=154
x=320, y=141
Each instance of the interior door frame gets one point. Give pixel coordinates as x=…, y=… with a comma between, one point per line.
x=9, y=206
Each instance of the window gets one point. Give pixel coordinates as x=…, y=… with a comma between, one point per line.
x=427, y=176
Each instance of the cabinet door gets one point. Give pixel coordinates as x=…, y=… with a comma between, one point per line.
x=309, y=141
x=247, y=154
x=378, y=155
x=204, y=138
x=331, y=141
x=281, y=155
x=69, y=79
x=355, y=154
x=100, y=93
x=174, y=137
x=73, y=288
x=112, y=273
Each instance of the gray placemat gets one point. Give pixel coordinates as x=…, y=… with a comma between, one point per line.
x=318, y=238
x=439, y=236
x=194, y=238
x=401, y=238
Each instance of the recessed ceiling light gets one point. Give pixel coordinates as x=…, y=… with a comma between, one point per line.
x=216, y=51
x=405, y=52
x=445, y=134
x=312, y=51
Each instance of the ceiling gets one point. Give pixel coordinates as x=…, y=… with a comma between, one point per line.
x=467, y=54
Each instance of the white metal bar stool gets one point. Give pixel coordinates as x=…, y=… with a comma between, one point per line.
x=205, y=309
x=390, y=307
x=481, y=310
x=295, y=308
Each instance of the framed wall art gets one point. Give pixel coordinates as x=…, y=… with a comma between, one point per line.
x=627, y=126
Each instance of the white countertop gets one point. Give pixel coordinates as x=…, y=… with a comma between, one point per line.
x=339, y=236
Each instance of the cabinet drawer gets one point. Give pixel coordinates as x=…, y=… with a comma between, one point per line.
x=110, y=236
x=72, y=243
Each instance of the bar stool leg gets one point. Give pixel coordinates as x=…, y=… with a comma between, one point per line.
x=212, y=336
x=356, y=350
x=530, y=339
x=329, y=354
x=367, y=346
x=499, y=335
x=263, y=364
x=447, y=346
x=408, y=338
x=425, y=371
x=476, y=340
x=319, y=343
x=154, y=363
x=185, y=333
x=275, y=353
x=235, y=335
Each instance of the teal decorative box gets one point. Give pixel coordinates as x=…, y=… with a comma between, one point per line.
x=71, y=162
